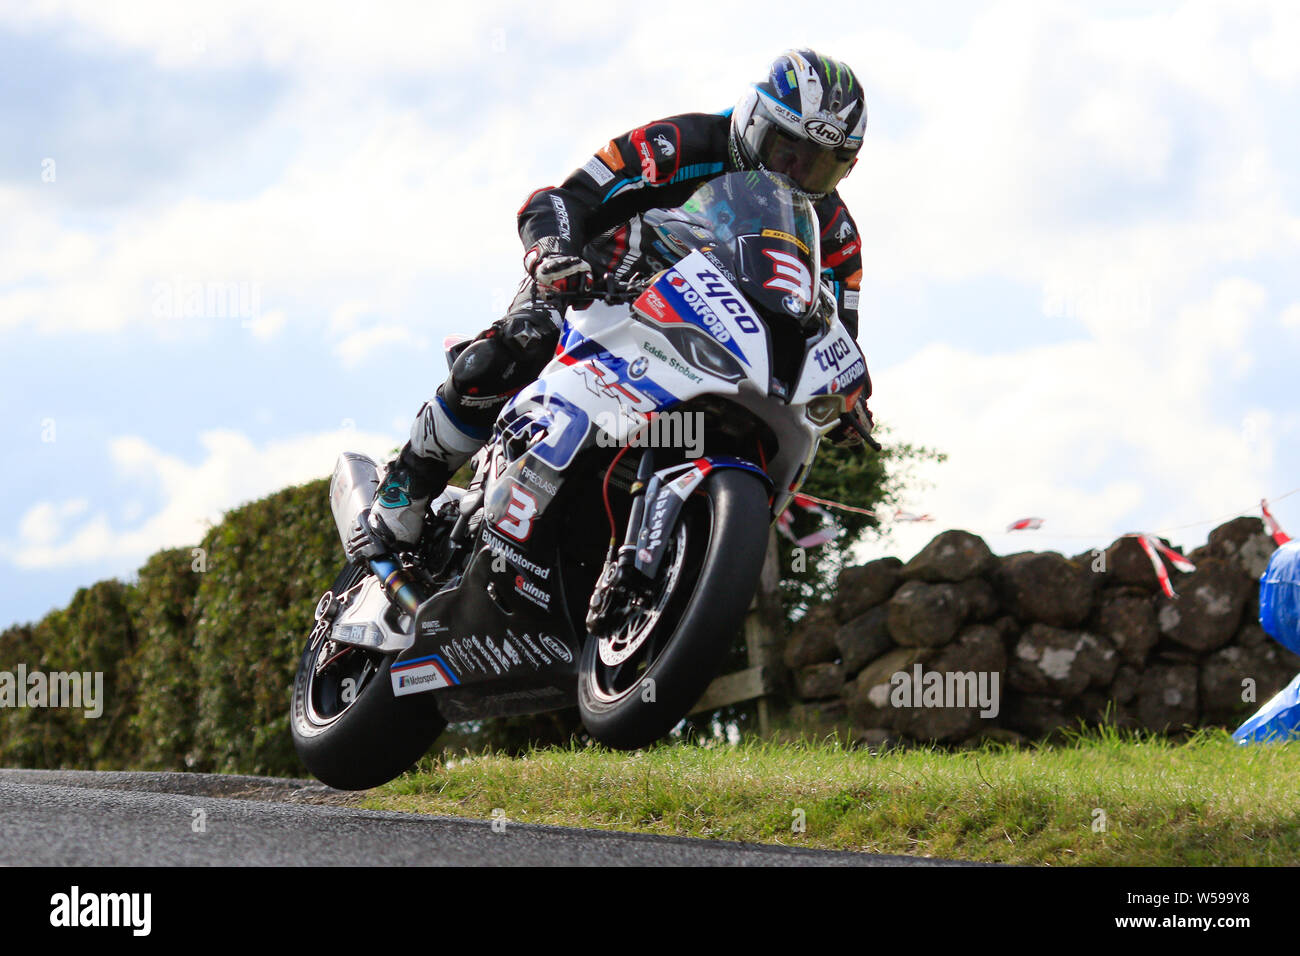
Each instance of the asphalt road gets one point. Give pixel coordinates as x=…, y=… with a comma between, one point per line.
x=79, y=818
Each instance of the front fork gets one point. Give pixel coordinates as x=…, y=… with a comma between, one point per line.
x=622, y=583
x=657, y=500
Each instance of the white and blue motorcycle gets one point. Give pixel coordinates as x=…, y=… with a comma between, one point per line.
x=609, y=545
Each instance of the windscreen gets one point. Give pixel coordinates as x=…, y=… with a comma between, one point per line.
x=763, y=231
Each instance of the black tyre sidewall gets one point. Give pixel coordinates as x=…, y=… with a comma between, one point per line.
x=715, y=610
x=374, y=740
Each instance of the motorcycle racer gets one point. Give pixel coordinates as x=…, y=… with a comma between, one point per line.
x=805, y=120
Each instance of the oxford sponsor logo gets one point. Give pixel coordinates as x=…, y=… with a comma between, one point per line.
x=77, y=909
x=701, y=308
x=845, y=379
x=76, y=690
x=922, y=688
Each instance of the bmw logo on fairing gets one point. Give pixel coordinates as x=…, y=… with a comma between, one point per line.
x=638, y=367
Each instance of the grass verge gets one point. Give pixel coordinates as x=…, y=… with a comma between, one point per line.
x=1101, y=798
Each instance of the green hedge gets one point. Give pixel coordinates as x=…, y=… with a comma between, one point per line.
x=198, y=654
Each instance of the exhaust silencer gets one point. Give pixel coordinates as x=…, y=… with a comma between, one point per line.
x=352, y=489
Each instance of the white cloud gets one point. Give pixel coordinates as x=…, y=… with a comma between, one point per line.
x=1087, y=435
x=267, y=326
x=233, y=470
x=357, y=347
x=44, y=522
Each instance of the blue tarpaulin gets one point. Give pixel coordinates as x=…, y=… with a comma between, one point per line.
x=1279, y=596
x=1277, y=720
x=1279, y=616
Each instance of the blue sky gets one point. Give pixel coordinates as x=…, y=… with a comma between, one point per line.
x=233, y=235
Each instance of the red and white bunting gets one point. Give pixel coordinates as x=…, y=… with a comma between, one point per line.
x=1026, y=524
x=901, y=515
x=1279, y=536
x=1155, y=548
x=785, y=523
x=1161, y=573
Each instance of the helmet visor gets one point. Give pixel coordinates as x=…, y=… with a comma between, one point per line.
x=813, y=168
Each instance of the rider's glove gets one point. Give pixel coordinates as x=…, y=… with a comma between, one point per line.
x=845, y=435
x=554, y=270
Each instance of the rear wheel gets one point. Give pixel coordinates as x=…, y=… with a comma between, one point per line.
x=635, y=684
x=348, y=728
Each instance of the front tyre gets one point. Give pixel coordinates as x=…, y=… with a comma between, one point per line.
x=636, y=684
x=348, y=728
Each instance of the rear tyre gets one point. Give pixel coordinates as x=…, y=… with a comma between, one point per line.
x=348, y=728
x=707, y=581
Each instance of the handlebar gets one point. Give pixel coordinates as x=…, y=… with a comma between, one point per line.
x=851, y=421
x=614, y=292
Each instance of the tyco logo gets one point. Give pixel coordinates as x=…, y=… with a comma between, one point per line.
x=830, y=357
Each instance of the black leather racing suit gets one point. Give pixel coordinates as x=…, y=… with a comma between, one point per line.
x=594, y=213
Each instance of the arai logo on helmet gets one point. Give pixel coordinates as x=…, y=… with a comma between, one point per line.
x=824, y=132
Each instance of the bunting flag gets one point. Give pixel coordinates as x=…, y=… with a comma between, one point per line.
x=1155, y=548
x=785, y=523
x=1026, y=524
x=1150, y=543
x=1280, y=537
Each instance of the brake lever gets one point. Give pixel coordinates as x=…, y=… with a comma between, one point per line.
x=852, y=421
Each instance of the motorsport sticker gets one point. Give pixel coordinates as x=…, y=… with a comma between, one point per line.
x=450, y=652
x=511, y=650
x=556, y=648
x=483, y=653
x=421, y=674
x=531, y=591
x=496, y=651
x=597, y=171
x=528, y=642
x=475, y=660
x=777, y=234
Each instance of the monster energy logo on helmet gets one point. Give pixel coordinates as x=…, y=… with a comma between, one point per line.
x=805, y=120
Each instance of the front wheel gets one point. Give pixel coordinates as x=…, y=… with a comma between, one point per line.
x=636, y=684
x=348, y=728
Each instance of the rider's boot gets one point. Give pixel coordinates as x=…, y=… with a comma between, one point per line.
x=458, y=421
x=440, y=443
